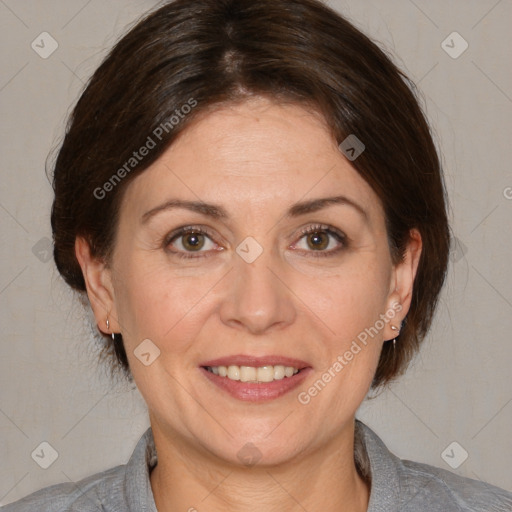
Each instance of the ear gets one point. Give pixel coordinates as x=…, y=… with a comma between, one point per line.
x=98, y=281
x=402, y=282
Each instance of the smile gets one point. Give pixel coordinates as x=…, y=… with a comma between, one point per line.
x=252, y=373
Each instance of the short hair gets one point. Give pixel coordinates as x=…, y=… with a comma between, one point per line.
x=207, y=53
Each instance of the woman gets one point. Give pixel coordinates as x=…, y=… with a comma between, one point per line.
x=250, y=196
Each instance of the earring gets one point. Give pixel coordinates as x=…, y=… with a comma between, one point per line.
x=395, y=328
x=108, y=329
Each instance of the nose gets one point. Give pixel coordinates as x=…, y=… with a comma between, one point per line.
x=257, y=298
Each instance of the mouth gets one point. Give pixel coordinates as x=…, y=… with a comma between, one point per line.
x=256, y=378
x=254, y=374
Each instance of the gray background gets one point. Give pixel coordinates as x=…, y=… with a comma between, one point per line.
x=458, y=388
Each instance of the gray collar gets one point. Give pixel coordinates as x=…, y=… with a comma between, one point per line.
x=373, y=460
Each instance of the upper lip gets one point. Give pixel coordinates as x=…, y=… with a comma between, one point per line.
x=256, y=361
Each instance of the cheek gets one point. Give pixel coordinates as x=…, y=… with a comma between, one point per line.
x=351, y=303
x=155, y=303
x=350, y=300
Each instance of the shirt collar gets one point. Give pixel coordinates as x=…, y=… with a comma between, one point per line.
x=137, y=481
x=372, y=457
x=384, y=472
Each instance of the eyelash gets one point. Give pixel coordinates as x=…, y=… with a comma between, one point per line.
x=316, y=228
x=324, y=228
x=177, y=233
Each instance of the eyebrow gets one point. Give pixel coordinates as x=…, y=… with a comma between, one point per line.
x=315, y=205
x=210, y=210
x=218, y=212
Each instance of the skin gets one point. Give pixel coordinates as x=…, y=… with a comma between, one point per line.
x=255, y=159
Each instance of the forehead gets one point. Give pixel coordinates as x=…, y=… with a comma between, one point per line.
x=252, y=156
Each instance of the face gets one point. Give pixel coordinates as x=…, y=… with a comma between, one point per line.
x=252, y=242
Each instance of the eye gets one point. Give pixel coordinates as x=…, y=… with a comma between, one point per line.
x=190, y=239
x=321, y=239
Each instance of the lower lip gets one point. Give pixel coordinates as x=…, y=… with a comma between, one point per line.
x=260, y=391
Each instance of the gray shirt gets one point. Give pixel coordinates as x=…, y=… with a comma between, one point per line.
x=396, y=485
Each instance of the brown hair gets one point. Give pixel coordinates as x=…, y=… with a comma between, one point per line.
x=205, y=52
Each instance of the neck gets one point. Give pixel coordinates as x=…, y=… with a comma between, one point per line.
x=325, y=479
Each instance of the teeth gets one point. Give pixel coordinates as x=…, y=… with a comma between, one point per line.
x=288, y=371
x=234, y=372
x=253, y=374
x=265, y=374
x=247, y=373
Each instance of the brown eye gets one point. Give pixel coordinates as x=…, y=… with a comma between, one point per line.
x=321, y=241
x=193, y=241
x=318, y=240
x=189, y=241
